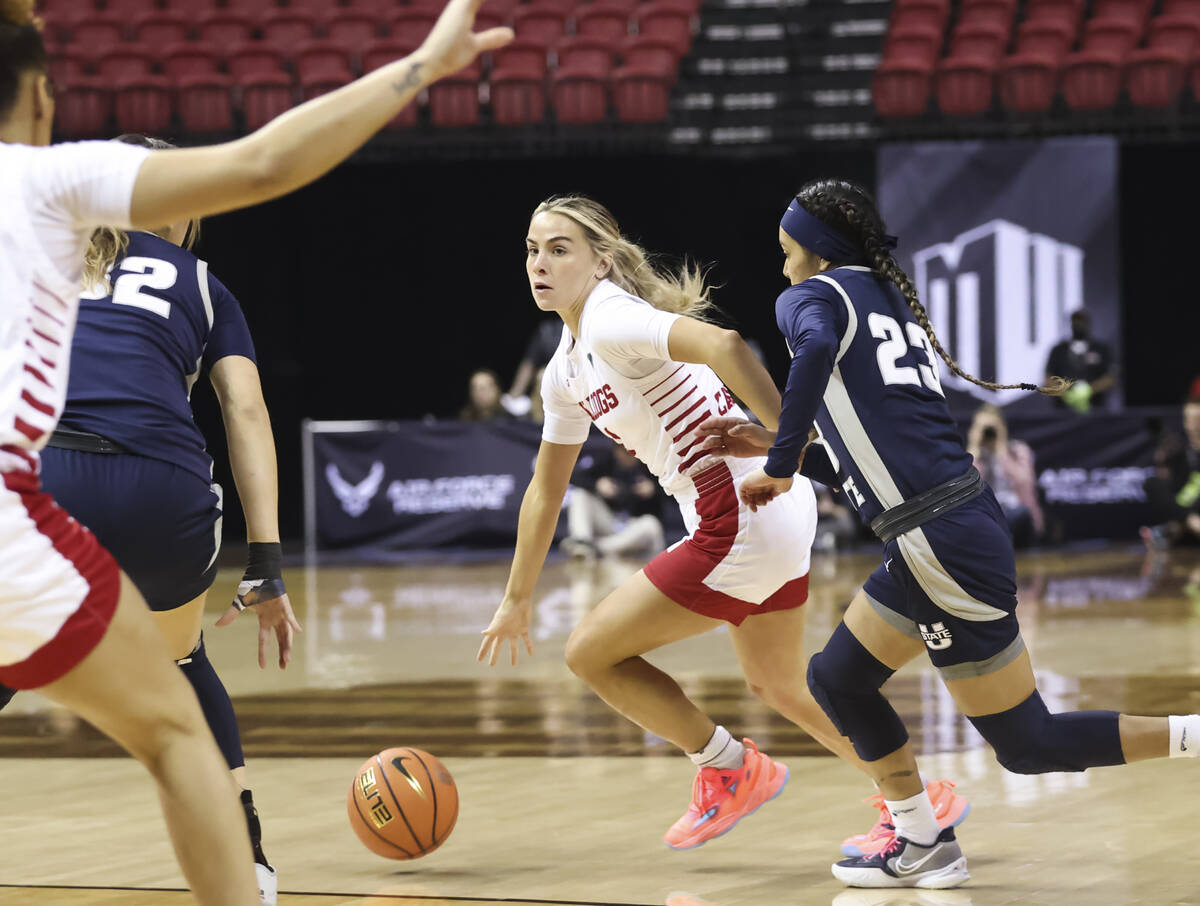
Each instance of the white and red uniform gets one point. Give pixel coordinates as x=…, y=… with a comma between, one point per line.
x=619, y=376
x=58, y=587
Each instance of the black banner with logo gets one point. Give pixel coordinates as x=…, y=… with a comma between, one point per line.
x=1004, y=240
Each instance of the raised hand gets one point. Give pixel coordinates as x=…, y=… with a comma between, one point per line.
x=451, y=44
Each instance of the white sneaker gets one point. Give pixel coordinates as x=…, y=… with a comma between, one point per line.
x=268, y=884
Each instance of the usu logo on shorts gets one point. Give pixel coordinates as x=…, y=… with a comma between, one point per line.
x=1000, y=295
x=937, y=636
x=355, y=498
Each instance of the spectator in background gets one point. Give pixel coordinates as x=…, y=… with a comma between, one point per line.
x=615, y=507
x=1007, y=465
x=837, y=526
x=1174, y=491
x=537, y=411
x=538, y=352
x=483, y=398
x=1087, y=362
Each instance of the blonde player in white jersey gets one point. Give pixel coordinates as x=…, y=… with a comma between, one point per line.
x=636, y=361
x=71, y=624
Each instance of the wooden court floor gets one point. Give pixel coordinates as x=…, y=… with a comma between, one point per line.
x=563, y=802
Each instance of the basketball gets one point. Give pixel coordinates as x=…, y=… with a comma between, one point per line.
x=403, y=803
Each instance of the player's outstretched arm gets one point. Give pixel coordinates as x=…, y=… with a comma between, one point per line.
x=726, y=353
x=308, y=141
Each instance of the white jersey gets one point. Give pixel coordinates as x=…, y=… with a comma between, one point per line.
x=51, y=199
x=618, y=375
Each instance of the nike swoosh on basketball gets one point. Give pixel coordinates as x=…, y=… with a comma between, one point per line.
x=903, y=869
x=398, y=764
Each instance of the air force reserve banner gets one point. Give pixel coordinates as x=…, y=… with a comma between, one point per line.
x=1003, y=241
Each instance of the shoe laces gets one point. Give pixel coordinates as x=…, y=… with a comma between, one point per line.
x=712, y=784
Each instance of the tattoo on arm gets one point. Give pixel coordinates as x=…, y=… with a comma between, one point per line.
x=411, y=80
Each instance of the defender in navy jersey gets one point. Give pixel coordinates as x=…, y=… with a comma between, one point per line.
x=864, y=411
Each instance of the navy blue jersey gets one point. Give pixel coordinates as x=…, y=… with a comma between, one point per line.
x=138, y=351
x=866, y=373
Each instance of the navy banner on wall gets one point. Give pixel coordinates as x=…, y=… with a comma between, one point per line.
x=1003, y=241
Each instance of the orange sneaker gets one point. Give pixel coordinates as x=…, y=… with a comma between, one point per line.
x=949, y=808
x=722, y=798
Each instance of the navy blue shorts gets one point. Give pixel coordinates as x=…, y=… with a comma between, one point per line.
x=953, y=584
x=161, y=523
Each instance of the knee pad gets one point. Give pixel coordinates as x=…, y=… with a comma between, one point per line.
x=844, y=678
x=1028, y=739
x=214, y=702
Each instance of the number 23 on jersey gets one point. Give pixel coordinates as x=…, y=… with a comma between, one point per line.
x=893, y=348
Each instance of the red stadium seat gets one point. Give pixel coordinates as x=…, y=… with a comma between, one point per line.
x=129, y=9
x=539, y=23
x=1051, y=37
x=931, y=13
x=1174, y=32
x=1134, y=11
x=1091, y=79
x=287, y=27
x=628, y=7
x=319, y=7
x=580, y=97
x=158, y=29
x=83, y=107
x=522, y=55
x=1028, y=81
x=188, y=58
x=668, y=24
x=412, y=25
x=1119, y=35
x=250, y=58
x=224, y=27
x=454, y=101
x=382, y=51
x=350, y=27
x=322, y=82
x=1189, y=8
x=124, y=60
x=502, y=8
x=641, y=94
x=979, y=41
x=964, y=85
x=265, y=95
x=602, y=20
x=1067, y=12
x=324, y=59
x=559, y=6
x=518, y=97
x=68, y=63
x=94, y=30
x=987, y=12
x=583, y=52
x=382, y=10
x=204, y=102
x=433, y=7
x=142, y=104
x=690, y=7
x=1154, y=76
x=901, y=88
x=652, y=52
x=913, y=42
x=252, y=8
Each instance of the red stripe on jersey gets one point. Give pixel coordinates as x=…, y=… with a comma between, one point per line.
x=43, y=311
x=696, y=424
x=44, y=408
x=27, y=429
x=37, y=374
x=672, y=390
x=676, y=403
x=23, y=454
x=684, y=414
x=660, y=383
x=45, y=361
x=47, y=292
x=46, y=337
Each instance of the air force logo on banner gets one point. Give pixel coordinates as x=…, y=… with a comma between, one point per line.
x=999, y=297
x=355, y=498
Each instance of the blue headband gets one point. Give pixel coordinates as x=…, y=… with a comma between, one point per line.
x=821, y=238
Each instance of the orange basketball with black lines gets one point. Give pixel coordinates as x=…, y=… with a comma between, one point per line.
x=403, y=803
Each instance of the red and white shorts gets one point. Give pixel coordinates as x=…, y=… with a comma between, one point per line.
x=735, y=562
x=58, y=586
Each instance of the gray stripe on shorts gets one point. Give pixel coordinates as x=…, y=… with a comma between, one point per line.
x=893, y=619
x=971, y=669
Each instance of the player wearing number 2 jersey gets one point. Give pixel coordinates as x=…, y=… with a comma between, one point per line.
x=635, y=362
x=864, y=369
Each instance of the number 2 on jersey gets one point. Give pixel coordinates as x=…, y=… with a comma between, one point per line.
x=142, y=273
x=894, y=347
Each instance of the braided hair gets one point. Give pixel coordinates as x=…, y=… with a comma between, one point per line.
x=850, y=209
x=21, y=49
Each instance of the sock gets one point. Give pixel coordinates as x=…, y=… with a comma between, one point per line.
x=914, y=820
x=722, y=752
x=214, y=702
x=1185, y=735
x=6, y=695
x=254, y=826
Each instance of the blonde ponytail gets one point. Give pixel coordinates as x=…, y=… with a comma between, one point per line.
x=106, y=246
x=682, y=292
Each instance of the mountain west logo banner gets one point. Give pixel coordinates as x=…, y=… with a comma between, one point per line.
x=1003, y=241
